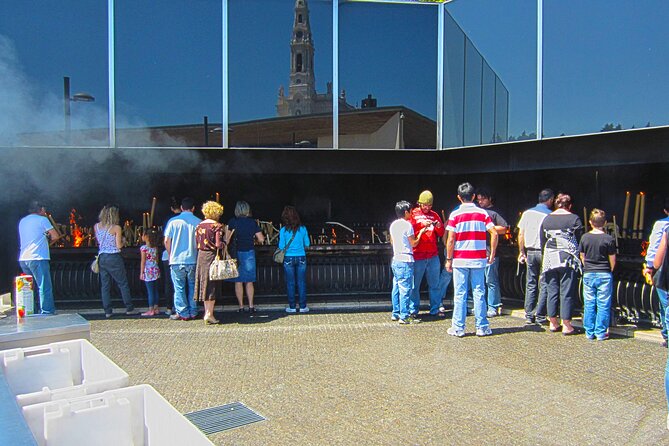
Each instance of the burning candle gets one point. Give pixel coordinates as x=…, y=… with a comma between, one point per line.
x=635, y=226
x=641, y=212
x=144, y=219
x=626, y=213
x=218, y=198
x=153, y=210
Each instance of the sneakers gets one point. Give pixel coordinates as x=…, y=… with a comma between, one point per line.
x=590, y=337
x=483, y=331
x=168, y=312
x=410, y=321
x=108, y=315
x=131, y=313
x=492, y=312
x=603, y=337
x=304, y=310
x=530, y=320
x=290, y=310
x=394, y=318
x=176, y=317
x=456, y=332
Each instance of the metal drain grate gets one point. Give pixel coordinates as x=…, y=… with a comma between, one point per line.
x=222, y=418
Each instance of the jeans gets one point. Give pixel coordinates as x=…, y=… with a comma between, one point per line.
x=463, y=280
x=445, y=279
x=113, y=268
x=664, y=301
x=152, y=293
x=169, y=285
x=429, y=267
x=41, y=273
x=295, y=268
x=561, y=290
x=183, y=279
x=597, y=289
x=494, y=296
x=535, y=285
x=403, y=273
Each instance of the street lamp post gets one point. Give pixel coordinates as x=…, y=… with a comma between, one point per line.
x=77, y=97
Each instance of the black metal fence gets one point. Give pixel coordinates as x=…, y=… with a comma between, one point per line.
x=342, y=272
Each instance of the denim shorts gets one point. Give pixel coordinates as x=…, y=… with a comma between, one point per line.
x=246, y=263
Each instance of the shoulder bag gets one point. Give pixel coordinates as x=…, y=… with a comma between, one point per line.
x=95, y=266
x=279, y=254
x=223, y=268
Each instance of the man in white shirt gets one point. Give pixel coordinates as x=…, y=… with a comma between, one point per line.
x=529, y=252
x=403, y=240
x=36, y=233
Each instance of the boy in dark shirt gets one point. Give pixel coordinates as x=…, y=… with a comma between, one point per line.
x=598, y=254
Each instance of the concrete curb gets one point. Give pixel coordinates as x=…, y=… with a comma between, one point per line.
x=630, y=331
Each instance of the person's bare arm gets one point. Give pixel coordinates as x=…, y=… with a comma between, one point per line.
x=493, y=244
x=450, y=247
x=522, y=254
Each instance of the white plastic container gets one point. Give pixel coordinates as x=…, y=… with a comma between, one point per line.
x=59, y=370
x=136, y=415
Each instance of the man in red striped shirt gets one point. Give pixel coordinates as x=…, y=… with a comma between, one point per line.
x=466, y=257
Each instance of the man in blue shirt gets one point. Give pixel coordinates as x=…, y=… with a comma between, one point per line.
x=180, y=244
x=653, y=243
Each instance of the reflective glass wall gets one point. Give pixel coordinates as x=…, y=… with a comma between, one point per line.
x=606, y=65
x=168, y=73
x=53, y=82
x=490, y=73
x=388, y=105
x=604, y=69
x=280, y=76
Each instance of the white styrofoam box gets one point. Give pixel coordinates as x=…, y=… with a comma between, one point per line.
x=59, y=370
x=136, y=415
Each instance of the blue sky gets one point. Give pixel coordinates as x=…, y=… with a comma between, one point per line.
x=605, y=61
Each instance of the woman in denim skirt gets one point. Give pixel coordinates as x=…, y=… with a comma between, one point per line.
x=246, y=231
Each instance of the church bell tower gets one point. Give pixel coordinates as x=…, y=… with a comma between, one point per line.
x=302, y=90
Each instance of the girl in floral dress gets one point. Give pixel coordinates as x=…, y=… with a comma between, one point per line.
x=149, y=270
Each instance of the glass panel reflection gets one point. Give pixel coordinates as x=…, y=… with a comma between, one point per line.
x=387, y=76
x=473, y=77
x=454, y=83
x=504, y=32
x=54, y=83
x=605, y=65
x=280, y=81
x=487, y=105
x=168, y=73
x=501, y=112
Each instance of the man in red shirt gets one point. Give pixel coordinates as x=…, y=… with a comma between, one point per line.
x=426, y=254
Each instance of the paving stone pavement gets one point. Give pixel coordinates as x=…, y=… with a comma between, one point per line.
x=337, y=378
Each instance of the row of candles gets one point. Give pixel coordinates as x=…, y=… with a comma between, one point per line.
x=638, y=219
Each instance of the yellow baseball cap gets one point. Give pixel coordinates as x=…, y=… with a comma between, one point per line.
x=425, y=197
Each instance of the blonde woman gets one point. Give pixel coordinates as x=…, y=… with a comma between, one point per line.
x=208, y=238
x=110, y=241
x=246, y=232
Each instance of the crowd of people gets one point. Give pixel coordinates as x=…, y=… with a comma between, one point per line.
x=552, y=245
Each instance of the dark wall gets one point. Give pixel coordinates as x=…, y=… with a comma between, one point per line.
x=346, y=186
